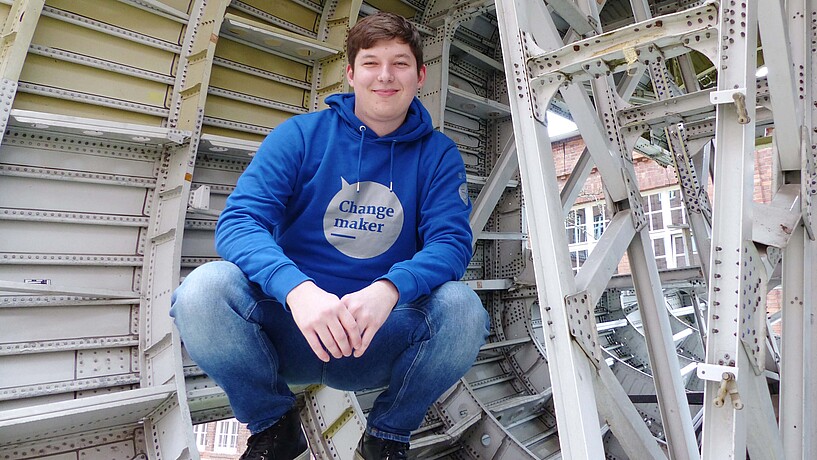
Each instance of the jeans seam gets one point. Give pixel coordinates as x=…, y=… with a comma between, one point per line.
x=403, y=385
x=260, y=335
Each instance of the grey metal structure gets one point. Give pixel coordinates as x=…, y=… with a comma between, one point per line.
x=126, y=124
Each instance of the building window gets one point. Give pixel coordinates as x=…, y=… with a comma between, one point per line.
x=200, y=433
x=665, y=214
x=576, y=226
x=226, y=436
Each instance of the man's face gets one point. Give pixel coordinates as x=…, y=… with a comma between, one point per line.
x=385, y=79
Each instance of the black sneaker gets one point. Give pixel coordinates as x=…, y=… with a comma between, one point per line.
x=283, y=441
x=371, y=448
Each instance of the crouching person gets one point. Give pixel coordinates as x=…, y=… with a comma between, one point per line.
x=342, y=244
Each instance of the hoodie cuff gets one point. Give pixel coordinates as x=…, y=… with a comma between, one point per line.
x=283, y=281
x=405, y=283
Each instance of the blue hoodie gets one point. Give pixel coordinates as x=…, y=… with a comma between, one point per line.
x=326, y=199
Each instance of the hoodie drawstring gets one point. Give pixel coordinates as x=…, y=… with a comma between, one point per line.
x=362, y=130
x=391, y=165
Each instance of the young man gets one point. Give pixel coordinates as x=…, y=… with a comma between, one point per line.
x=342, y=244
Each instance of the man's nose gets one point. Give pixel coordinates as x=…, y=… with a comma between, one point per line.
x=386, y=73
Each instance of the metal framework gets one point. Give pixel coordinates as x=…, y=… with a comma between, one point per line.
x=126, y=123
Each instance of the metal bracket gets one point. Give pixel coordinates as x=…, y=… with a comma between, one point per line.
x=582, y=322
x=200, y=198
x=714, y=372
x=728, y=377
x=752, y=315
x=735, y=96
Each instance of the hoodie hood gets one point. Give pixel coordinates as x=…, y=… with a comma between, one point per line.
x=418, y=121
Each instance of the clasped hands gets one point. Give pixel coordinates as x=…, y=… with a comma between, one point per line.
x=341, y=326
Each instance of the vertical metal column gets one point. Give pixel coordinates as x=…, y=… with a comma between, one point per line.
x=169, y=429
x=736, y=393
x=571, y=373
x=566, y=303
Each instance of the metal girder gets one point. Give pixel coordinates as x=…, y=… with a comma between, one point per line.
x=578, y=20
x=737, y=277
x=672, y=401
x=570, y=369
x=696, y=201
x=15, y=39
x=786, y=105
x=600, y=265
x=793, y=420
x=585, y=117
x=605, y=53
x=573, y=186
x=170, y=428
x=553, y=277
x=333, y=421
x=506, y=166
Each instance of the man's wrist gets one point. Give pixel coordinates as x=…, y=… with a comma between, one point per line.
x=391, y=290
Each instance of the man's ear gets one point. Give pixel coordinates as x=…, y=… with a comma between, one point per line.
x=421, y=76
x=350, y=75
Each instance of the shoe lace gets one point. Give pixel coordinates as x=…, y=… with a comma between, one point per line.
x=259, y=445
x=394, y=450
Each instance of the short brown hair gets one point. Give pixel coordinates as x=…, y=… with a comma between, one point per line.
x=384, y=26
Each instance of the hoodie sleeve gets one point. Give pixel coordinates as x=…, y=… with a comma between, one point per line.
x=255, y=210
x=444, y=231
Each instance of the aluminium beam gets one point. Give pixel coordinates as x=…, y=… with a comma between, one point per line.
x=607, y=53
x=15, y=39
x=736, y=268
x=571, y=373
x=675, y=413
x=777, y=56
x=572, y=367
x=793, y=353
x=169, y=430
x=575, y=182
x=506, y=166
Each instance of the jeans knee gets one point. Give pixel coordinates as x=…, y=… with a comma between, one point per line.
x=464, y=312
x=203, y=287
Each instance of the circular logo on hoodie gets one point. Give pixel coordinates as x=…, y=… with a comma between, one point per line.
x=363, y=223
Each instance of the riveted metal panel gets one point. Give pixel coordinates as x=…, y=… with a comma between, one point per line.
x=54, y=195
x=40, y=70
x=33, y=237
x=65, y=322
x=58, y=34
x=36, y=369
x=125, y=16
x=117, y=278
x=96, y=363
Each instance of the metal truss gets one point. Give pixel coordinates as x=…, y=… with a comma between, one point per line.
x=737, y=399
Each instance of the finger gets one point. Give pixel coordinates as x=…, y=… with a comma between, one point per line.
x=316, y=346
x=339, y=335
x=329, y=342
x=352, y=328
x=368, y=334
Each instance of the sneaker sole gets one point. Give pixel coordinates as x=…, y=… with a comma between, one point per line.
x=304, y=456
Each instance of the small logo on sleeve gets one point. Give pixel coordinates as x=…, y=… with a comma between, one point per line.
x=464, y=192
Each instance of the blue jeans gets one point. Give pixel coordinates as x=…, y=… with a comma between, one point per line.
x=249, y=344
